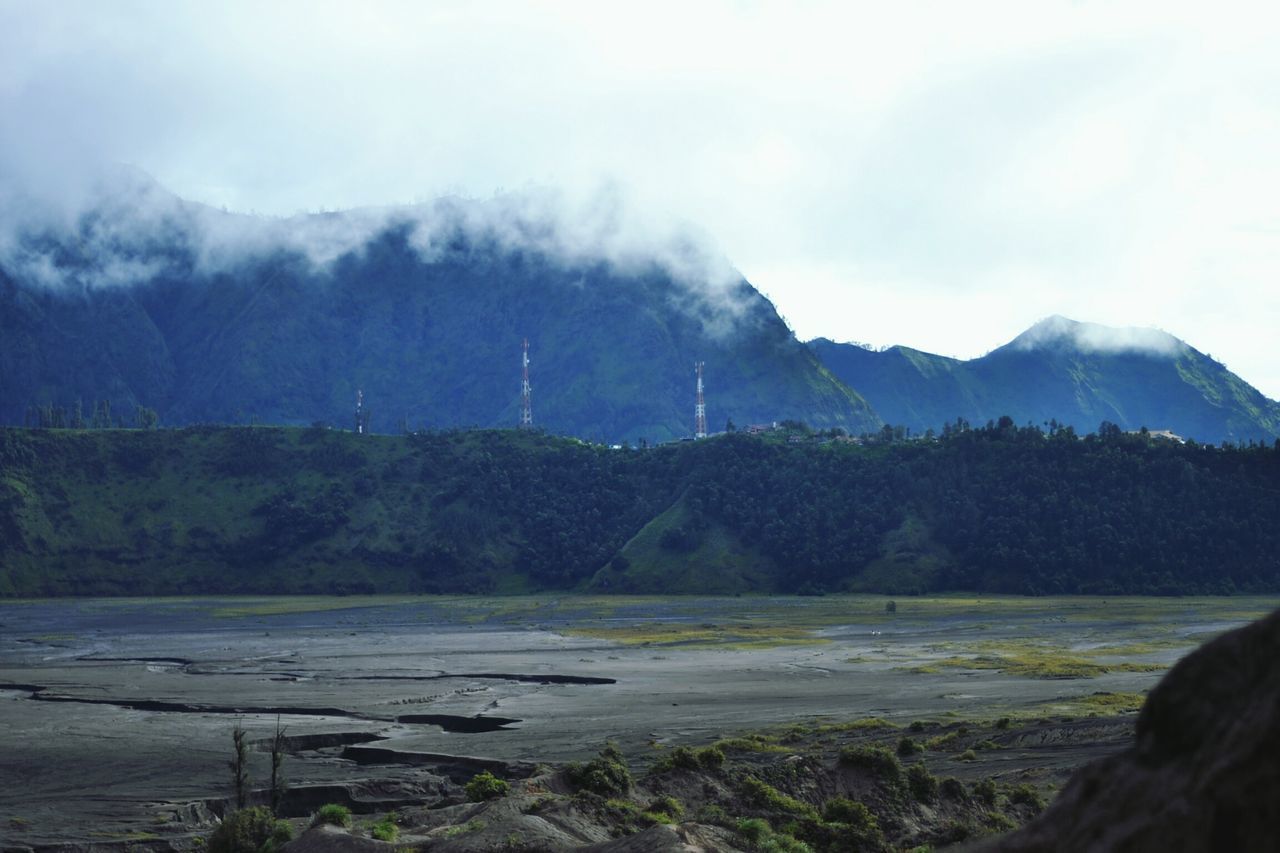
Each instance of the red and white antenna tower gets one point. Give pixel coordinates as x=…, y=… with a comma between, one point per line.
x=526, y=404
x=700, y=408
x=359, y=412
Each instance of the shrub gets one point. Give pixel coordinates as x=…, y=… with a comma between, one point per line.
x=923, y=784
x=916, y=726
x=1027, y=795
x=985, y=791
x=710, y=757
x=485, y=786
x=281, y=834
x=877, y=759
x=1003, y=723
x=942, y=740
x=606, y=774
x=684, y=758
x=385, y=829
x=244, y=831
x=851, y=812
x=668, y=806
x=713, y=813
x=760, y=836
x=955, y=831
x=764, y=795
x=952, y=788
x=967, y=755
x=332, y=814
x=908, y=746
x=754, y=829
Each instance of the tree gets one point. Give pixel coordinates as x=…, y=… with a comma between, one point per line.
x=278, y=785
x=239, y=765
x=146, y=418
x=729, y=426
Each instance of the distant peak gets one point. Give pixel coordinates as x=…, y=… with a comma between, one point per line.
x=1058, y=332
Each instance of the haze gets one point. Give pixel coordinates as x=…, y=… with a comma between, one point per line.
x=935, y=175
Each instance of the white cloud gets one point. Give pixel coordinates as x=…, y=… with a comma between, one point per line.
x=940, y=175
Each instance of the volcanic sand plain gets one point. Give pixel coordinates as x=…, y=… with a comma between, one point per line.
x=115, y=714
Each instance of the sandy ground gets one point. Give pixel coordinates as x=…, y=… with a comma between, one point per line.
x=113, y=711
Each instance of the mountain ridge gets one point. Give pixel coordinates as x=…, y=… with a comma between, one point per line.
x=1064, y=371
x=206, y=316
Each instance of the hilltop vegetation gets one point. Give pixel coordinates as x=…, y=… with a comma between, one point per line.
x=998, y=509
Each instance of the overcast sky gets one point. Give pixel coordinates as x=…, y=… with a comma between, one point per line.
x=937, y=175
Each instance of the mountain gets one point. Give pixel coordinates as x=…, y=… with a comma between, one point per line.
x=1079, y=374
x=204, y=316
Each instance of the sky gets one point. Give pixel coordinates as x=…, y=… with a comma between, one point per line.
x=940, y=175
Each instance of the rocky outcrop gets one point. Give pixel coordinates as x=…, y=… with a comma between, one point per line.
x=1204, y=771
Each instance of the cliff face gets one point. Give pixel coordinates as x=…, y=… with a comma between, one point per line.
x=1204, y=772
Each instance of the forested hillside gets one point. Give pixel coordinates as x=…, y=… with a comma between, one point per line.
x=258, y=509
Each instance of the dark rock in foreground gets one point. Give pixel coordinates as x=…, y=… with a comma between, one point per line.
x=1204, y=773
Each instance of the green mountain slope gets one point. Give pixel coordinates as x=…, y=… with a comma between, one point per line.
x=311, y=510
x=425, y=313
x=1078, y=374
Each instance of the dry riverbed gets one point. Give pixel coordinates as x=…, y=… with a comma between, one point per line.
x=117, y=714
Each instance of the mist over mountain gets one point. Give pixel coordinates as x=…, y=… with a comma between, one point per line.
x=128, y=294
x=1079, y=374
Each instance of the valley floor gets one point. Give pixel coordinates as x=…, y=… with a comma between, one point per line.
x=118, y=712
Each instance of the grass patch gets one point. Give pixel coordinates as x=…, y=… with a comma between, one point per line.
x=473, y=825
x=675, y=633
x=751, y=743
x=859, y=725
x=1113, y=702
x=1032, y=659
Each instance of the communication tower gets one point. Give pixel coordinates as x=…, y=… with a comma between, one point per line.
x=526, y=404
x=700, y=408
x=360, y=418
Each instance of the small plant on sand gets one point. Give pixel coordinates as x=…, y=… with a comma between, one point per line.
x=485, y=786
x=333, y=814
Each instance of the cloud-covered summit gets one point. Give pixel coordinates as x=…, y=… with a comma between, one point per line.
x=1061, y=332
x=120, y=228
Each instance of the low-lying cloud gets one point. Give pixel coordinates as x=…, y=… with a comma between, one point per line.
x=121, y=228
x=1095, y=338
